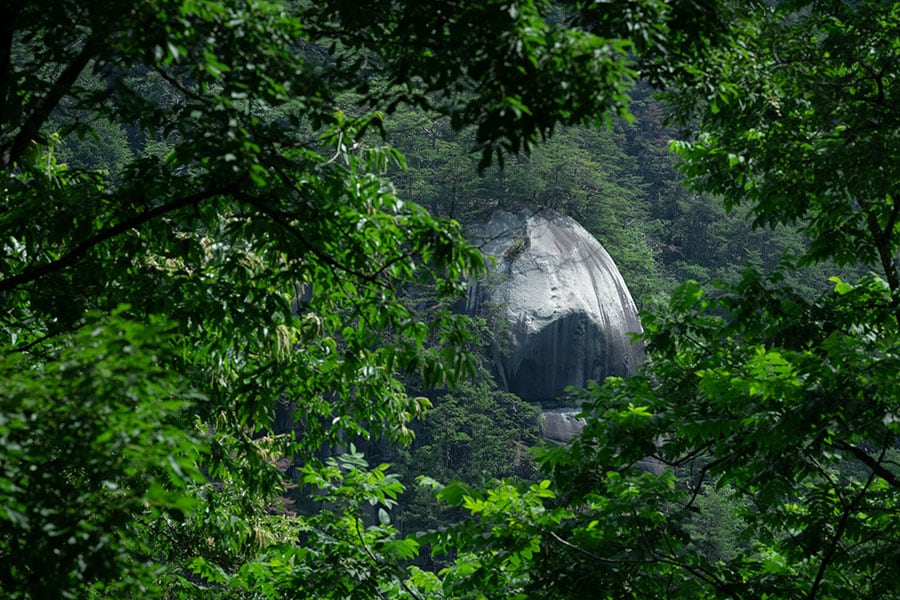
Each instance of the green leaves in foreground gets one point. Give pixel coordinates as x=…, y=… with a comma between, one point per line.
x=787, y=440
x=346, y=548
x=93, y=437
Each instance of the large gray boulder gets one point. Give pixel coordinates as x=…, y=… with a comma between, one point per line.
x=560, y=307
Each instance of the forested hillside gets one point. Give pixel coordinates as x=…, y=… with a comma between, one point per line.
x=619, y=180
x=232, y=233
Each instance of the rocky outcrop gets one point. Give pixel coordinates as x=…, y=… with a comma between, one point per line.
x=560, y=424
x=562, y=312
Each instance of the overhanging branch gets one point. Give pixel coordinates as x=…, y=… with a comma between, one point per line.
x=11, y=151
x=76, y=253
x=874, y=465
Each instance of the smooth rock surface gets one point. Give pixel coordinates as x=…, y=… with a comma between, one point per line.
x=568, y=314
x=560, y=424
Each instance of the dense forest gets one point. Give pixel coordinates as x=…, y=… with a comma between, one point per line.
x=232, y=234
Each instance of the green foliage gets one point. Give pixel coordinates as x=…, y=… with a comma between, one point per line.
x=238, y=242
x=717, y=525
x=812, y=130
x=782, y=397
x=499, y=539
x=338, y=555
x=237, y=204
x=793, y=419
x=476, y=425
x=94, y=438
x=474, y=435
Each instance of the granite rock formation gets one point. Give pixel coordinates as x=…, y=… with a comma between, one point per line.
x=562, y=311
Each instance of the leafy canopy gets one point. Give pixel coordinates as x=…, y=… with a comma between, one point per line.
x=780, y=406
x=238, y=245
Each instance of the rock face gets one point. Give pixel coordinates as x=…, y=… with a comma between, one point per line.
x=566, y=312
x=560, y=425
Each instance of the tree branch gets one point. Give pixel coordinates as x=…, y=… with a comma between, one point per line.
x=178, y=86
x=284, y=219
x=832, y=548
x=882, y=239
x=374, y=559
x=11, y=151
x=654, y=558
x=874, y=465
x=76, y=253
